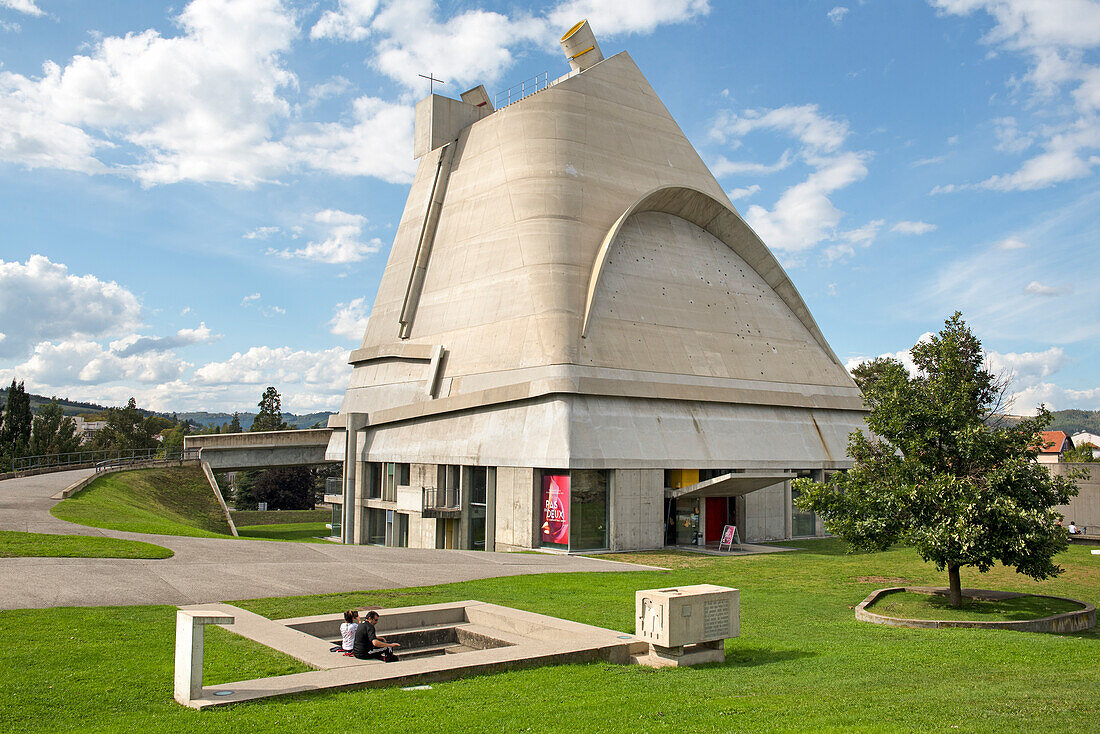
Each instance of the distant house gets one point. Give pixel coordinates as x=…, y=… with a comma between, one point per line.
x=1055, y=443
x=86, y=429
x=1084, y=438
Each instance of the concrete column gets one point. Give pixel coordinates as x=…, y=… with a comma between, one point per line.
x=355, y=422
x=788, y=509
x=490, y=508
x=190, y=633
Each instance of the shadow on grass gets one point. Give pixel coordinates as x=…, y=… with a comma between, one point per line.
x=750, y=657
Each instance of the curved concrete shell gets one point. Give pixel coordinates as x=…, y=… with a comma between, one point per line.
x=570, y=288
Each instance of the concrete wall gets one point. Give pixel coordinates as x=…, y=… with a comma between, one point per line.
x=637, y=509
x=516, y=508
x=767, y=514
x=1084, y=509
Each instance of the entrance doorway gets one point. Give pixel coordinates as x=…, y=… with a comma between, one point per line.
x=717, y=518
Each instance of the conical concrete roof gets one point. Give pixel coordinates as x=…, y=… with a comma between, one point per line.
x=569, y=257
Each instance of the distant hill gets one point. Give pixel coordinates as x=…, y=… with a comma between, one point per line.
x=202, y=418
x=307, y=420
x=1073, y=421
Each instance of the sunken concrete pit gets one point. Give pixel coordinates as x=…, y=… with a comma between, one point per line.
x=1068, y=622
x=439, y=642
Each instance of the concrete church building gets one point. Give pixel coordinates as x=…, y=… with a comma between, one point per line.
x=577, y=342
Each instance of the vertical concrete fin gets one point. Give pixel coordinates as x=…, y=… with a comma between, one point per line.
x=427, y=236
x=218, y=493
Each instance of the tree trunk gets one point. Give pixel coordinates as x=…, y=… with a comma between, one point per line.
x=956, y=586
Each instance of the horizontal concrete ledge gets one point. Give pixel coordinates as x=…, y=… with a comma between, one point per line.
x=399, y=351
x=1075, y=621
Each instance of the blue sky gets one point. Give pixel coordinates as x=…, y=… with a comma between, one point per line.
x=197, y=199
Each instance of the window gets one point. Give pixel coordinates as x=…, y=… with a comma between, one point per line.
x=447, y=485
x=574, y=512
x=386, y=527
x=373, y=480
x=376, y=526
x=479, y=482
x=802, y=522
x=393, y=476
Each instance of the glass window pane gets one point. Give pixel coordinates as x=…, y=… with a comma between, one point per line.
x=588, y=509
x=554, y=513
x=376, y=526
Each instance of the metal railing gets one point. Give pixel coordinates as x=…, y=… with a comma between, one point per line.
x=74, y=459
x=526, y=88
x=442, y=502
x=153, y=457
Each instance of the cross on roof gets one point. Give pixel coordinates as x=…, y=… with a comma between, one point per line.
x=431, y=81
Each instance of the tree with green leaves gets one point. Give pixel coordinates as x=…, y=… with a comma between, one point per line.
x=127, y=428
x=270, y=417
x=285, y=488
x=15, y=429
x=937, y=471
x=53, y=432
x=1080, y=455
x=235, y=424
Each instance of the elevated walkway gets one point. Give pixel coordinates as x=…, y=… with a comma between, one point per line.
x=261, y=450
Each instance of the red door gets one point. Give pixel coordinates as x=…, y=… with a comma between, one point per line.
x=716, y=519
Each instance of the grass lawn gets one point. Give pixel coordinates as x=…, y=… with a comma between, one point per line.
x=310, y=532
x=802, y=662
x=278, y=517
x=15, y=544
x=169, y=501
x=907, y=605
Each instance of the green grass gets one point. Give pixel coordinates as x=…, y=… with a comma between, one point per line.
x=802, y=661
x=170, y=501
x=279, y=517
x=15, y=544
x=908, y=605
x=300, y=531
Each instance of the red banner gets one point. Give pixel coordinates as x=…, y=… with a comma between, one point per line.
x=555, y=508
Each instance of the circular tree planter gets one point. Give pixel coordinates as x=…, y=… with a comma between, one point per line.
x=1075, y=621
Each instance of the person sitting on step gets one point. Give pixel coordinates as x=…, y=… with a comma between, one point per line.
x=368, y=645
x=347, y=629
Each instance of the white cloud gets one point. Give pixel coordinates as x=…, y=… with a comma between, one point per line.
x=350, y=319
x=1011, y=243
x=928, y=161
x=836, y=15
x=23, y=6
x=40, y=300
x=349, y=22
x=343, y=241
x=261, y=233
x=376, y=141
x=1027, y=367
x=913, y=228
x=76, y=362
x=136, y=344
x=1054, y=35
x=1036, y=288
x=1009, y=138
x=614, y=17
x=743, y=193
x=197, y=106
x=1026, y=401
x=725, y=167
x=477, y=45
x=818, y=133
x=254, y=301
x=804, y=215
x=263, y=365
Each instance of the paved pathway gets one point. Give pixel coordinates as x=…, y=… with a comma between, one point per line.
x=212, y=569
